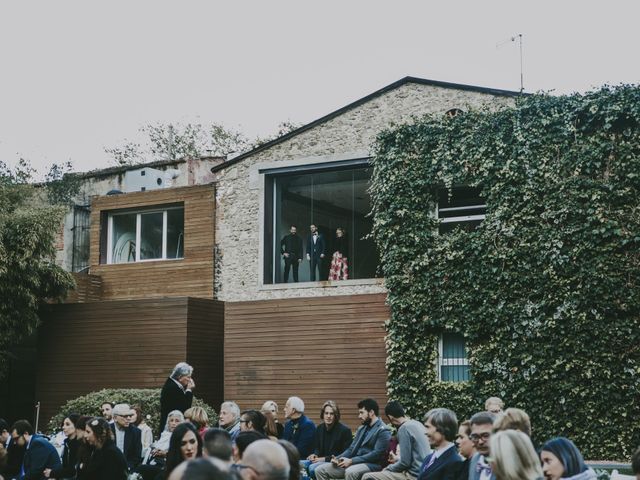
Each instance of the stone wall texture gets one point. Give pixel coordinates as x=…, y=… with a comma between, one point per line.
x=239, y=189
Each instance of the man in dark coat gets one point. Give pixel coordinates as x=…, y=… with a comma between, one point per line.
x=128, y=437
x=291, y=249
x=177, y=392
x=315, y=251
x=39, y=453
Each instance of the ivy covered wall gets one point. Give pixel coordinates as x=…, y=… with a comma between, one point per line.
x=547, y=290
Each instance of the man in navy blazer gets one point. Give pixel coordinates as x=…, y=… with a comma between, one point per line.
x=366, y=452
x=128, y=437
x=39, y=454
x=315, y=251
x=481, y=428
x=444, y=462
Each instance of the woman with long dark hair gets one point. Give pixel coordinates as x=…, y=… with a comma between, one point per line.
x=107, y=462
x=185, y=444
x=69, y=452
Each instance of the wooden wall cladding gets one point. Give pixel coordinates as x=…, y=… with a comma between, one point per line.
x=191, y=276
x=88, y=289
x=85, y=347
x=322, y=348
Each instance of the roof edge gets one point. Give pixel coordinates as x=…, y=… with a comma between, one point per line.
x=357, y=103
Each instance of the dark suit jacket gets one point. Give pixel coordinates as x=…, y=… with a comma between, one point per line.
x=444, y=468
x=369, y=447
x=173, y=397
x=132, y=445
x=331, y=442
x=291, y=244
x=15, y=455
x=314, y=250
x=40, y=454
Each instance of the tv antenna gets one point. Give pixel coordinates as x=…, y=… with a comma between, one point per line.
x=515, y=38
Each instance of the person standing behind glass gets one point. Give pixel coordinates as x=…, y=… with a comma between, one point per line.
x=291, y=249
x=339, y=266
x=315, y=251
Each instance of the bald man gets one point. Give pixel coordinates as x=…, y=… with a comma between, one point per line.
x=264, y=460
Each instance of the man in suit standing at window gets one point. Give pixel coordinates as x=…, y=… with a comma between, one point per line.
x=315, y=251
x=291, y=249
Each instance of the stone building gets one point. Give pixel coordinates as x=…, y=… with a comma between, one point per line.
x=214, y=292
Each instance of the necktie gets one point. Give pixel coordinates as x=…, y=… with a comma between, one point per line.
x=483, y=466
x=431, y=462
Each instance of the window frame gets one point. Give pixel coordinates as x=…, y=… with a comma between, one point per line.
x=139, y=212
x=269, y=243
x=463, y=218
x=450, y=362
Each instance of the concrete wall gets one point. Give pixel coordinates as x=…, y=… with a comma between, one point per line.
x=240, y=187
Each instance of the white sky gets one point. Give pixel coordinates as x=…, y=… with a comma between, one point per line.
x=76, y=76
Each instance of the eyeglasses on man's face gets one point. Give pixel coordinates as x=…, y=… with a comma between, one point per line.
x=480, y=436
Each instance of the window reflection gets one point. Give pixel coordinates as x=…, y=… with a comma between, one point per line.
x=336, y=205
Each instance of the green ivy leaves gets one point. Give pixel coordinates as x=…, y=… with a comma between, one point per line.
x=547, y=289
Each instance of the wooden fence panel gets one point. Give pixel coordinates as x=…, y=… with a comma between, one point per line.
x=323, y=348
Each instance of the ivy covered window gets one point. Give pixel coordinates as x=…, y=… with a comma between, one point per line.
x=453, y=365
x=329, y=200
x=150, y=234
x=460, y=207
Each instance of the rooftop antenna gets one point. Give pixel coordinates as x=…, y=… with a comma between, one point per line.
x=516, y=38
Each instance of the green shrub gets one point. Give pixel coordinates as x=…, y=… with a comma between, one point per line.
x=546, y=291
x=148, y=399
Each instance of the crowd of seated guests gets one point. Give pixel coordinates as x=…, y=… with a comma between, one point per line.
x=494, y=444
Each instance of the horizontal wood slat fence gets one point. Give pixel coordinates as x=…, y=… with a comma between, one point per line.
x=323, y=348
x=85, y=347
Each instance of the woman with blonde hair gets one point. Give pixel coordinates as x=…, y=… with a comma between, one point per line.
x=198, y=416
x=513, y=457
x=272, y=407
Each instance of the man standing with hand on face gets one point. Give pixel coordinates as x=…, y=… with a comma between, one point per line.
x=366, y=452
x=177, y=392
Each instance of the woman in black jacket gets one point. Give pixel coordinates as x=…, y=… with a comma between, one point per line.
x=70, y=451
x=332, y=437
x=107, y=462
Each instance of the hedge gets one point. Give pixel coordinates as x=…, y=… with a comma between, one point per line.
x=546, y=291
x=148, y=399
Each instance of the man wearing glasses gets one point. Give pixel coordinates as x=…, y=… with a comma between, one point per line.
x=128, y=437
x=481, y=427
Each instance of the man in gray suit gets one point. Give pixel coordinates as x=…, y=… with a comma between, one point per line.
x=481, y=427
x=366, y=452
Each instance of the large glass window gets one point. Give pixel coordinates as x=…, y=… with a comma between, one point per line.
x=337, y=203
x=156, y=234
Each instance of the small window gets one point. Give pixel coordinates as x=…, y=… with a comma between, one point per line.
x=460, y=207
x=454, y=112
x=145, y=235
x=453, y=365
